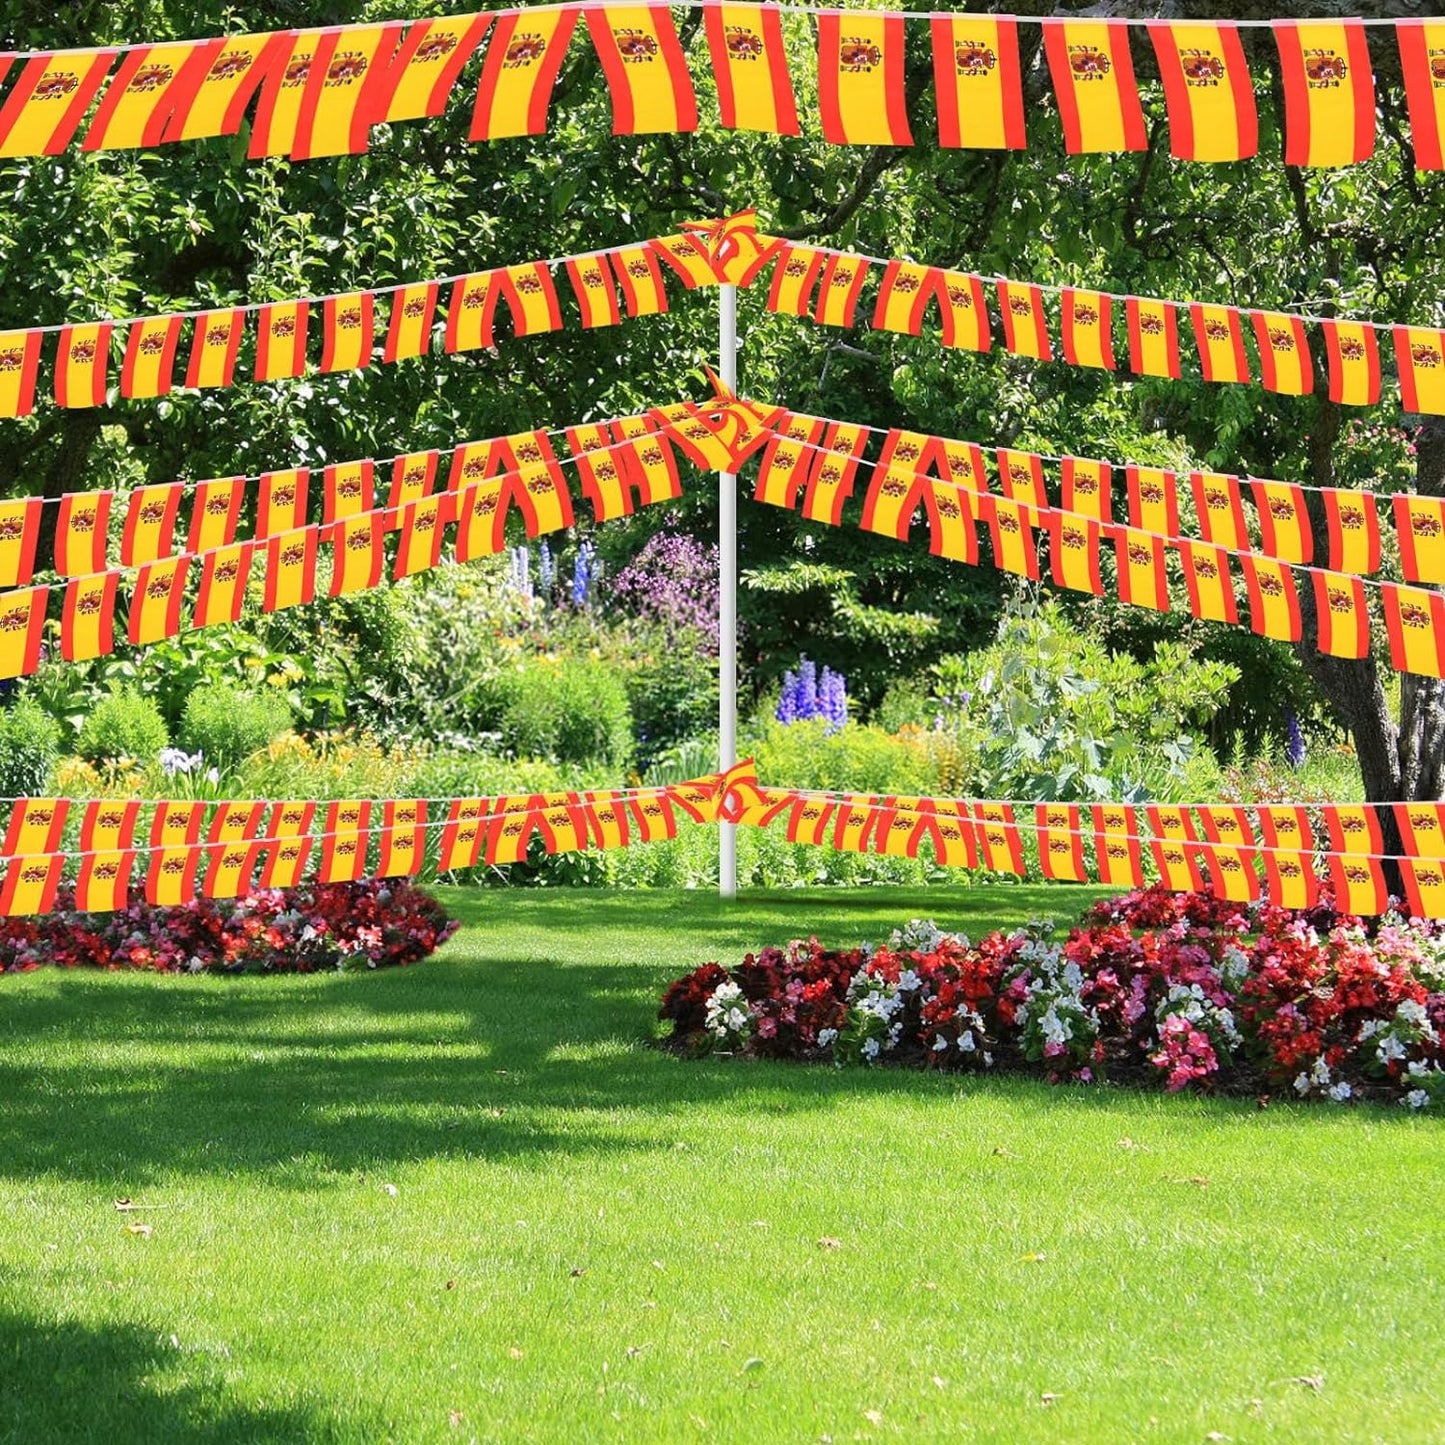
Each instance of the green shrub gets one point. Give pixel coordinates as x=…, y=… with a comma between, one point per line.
x=29, y=745
x=123, y=724
x=572, y=710
x=226, y=724
x=858, y=758
x=672, y=691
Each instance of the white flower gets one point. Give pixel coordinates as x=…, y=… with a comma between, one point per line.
x=1417, y=1099
x=1320, y=1074
x=909, y=981
x=966, y=1043
x=1417, y=1068
x=1341, y=1092
x=1234, y=965
x=826, y=1037
x=1302, y=1084
x=870, y=1049
x=940, y=1044
x=987, y=1059
x=1390, y=1047
x=1411, y=1012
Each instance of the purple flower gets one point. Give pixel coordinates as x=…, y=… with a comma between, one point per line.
x=547, y=571
x=582, y=575
x=673, y=581
x=1295, y=749
x=806, y=696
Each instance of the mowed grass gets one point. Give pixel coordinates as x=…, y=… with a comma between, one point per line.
x=465, y=1201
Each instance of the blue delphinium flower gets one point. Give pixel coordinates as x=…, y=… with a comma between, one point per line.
x=1295, y=749
x=546, y=570
x=582, y=574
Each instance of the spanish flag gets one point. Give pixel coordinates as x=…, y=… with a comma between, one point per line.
x=347, y=488
x=87, y=621
x=1286, y=826
x=839, y=289
x=1021, y=475
x=150, y=356
x=787, y=459
x=641, y=280
x=285, y=861
x=426, y=65
x=217, y=106
x=1284, y=525
x=1353, y=828
x=1422, y=53
x=950, y=508
x=1142, y=580
x=697, y=797
x=1342, y=618
x=403, y=838
x=690, y=257
x=470, y=311
x=1061, y=844
x=1420, y=361
x=1025, y=329
x=82, y=364
x=1118, y=857
x=1178, y=866
x=1232, y=873
x=960, y=463
x=30, y=885
x=225, y=572
x=608, y=819
x=510, y=831
x=35, y=826
x=794, y=277
x=1354, y=362
x=1354, y=531
x=830, y=480
x=853, y=822
x=1329, y=92
x=1207, y=578
x=1220, y=339
x=808, y=820
x=409, y=331
x=215, y=342
x=650, y=811
x=1424, y=887
x=1415, y=621
x=1420, y=526
x=236, y=822
x=358, y=554
x=541, y=489
x=1153, y=500
x=423, y=529
x=155, y=605
x=1290, y=879
x=531, y=298
x=291, y=819
x=977, y=79
x=1010, y=526
x=1226, y=825
x=954, y=845
x=108, y=824
x=19, y=365
x=1219, y=510
x=1207, y=91
x=524, y=57
x=562, y=820
x=1422, y=829
x=482, y=522
x=903, y=296
x=290, y=569
x=347, y=328
x=645, y=68
x=412, y=477
x=750, y=64
x=152, y=83
x=1273, y=601
x=736, y=249
x=1088, y=488
x=281, y=340
x=1153, y=336
x=150, y=523
x=596, y=295
x=899, y=829
x=1284, y=354
x=103, y=884
x=19, y=528
x=281, y=504
x=897, y=485
x=343, y=843
x=171, y=877
x=1093, y=77
x=215, y=512
x=1172, y=822
x=461, y=840
x=1087, y=339
x=1359, y=885
x=1074, y=552
x=962, y=311
x=80, y=532
x=48, y=102
x=599, y=472
x=176, y=824
x=861, y=93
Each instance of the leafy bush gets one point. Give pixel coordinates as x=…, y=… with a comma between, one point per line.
x=123, y=724
x=857, y=757
x=227, y=724
x=569, y=711
x=672, y=689
x=331, y=765
x=29, y=746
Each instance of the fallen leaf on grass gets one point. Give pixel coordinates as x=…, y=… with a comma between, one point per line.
x=139, y=1230
x=451, y=1284
x=633, y=1351
x=1047, y=1398
x=940, y=1382
x=1310, y=1382
x=873, y=1417
x=515, y=1353
x=455, y=1419
x=578, y=1272
x=658, y=1264
x=390, y=1189
x=1201, y=1181
x=1037, y=1258
x=750, y=1365
x=1003, y=1153
x=828, y=1242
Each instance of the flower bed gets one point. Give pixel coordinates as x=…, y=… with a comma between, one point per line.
x=1155, y=988
x=378, y=923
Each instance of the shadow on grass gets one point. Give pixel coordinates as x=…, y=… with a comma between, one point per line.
x=63, y=1381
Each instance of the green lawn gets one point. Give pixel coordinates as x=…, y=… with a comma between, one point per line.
x=464, y=1201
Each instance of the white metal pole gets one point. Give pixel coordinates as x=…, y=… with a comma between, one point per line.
x=727, y=611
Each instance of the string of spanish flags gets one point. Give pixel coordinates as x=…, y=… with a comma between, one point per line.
x=319, y=92
x=813, y=282
x=219, y=850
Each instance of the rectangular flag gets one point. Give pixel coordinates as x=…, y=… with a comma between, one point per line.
x=462, y=834
x=1207, y=578
x=215, y=343
x=358, y=554
x=482, y=522
x=1086, y=328
x=861, y=92
x=1153, y=336
x=82, y=364
x=689, y=258
x=1118, y=855
x=949, y=503
x=1422, y=829
x=1289, y=879
x=1011, y=531
x=641, y=280
x=343, y=842
x=787, y=459
x=1061, y=843
x=155, y=605
x=150, y=356
x=750, y=65
x=1025, y=327
x=347, y=331
x=470, y=310
x=1021, y=475
x=1178, y=866
x=1354, y=531
x=175, y=824
x=1286, y=826
x=1420, y=362
x=281, y=340
x=1342, y=618
x=285, y=858
x=215, y=513
x=347, y=488
x=81, y=531
x=897, y=485
x=808, y=821
x=531, y=298
x=1074, y=552
x=1422, y=57
x=1353, y=354
x=103, y=884
x=1088, y=488
x=839, y=289
x=899, y=830
x=1219, y=510
x=403, y=838
x=1153, y=500
x=49, y=100
x=19, y=530
x=1093, y=76
x=599, y=472
x=281, y=503
x=152, y=83
x=978, y=82
x=541, y=489
x=30, y=885
x=1220, y=339
x=224, y=575
x=408, y=331
x=290, y=569
x=1284, y=524
x=794, y=278
x=645, y=68
x=150, y=523
x=87, y=620
x=1142, y=579
x=903, y=296
x=524, y=56
x=1359, y=885
x=216, y=103
x=596, y=295
x=1329, y=92
x=1284, y=354
x=1273, y=601
x=962, y=311
x=831, y=477
x=1208, y=94
x=1353, y=828
x=412, y=477
x=1424, y=887
x=1415, y=621
x=19, y=366
x=426, y=65
x=1420, y=526
x=35, y=826
x=423, y=529
x=853, y=822
x=954, y=844
x=1232, y=874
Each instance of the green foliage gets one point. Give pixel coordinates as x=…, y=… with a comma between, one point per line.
x=572, y=711
x=858, y=758
x=122, y=724
x=29, y=746
x=671, y=691
x=227, y=724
